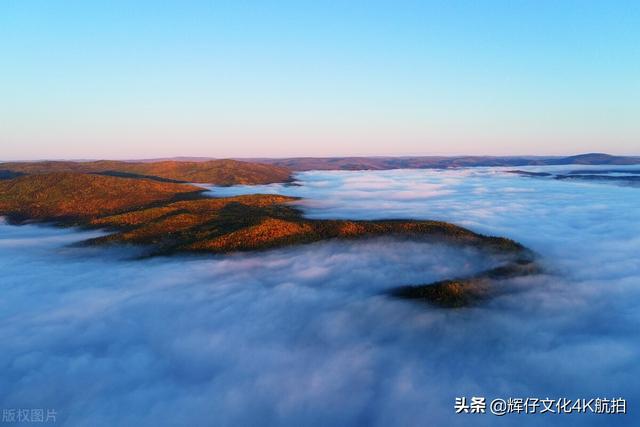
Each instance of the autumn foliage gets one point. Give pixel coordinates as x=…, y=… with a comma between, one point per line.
x=219, y=172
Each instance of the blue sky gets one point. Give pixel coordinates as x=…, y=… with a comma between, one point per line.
x=121, y=79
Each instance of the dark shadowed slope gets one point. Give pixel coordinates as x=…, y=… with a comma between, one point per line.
x=219, y=172
x=595, y=159
x=627, y=177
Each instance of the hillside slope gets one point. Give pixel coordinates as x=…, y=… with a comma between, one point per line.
x=219, y=172
x=54, y=196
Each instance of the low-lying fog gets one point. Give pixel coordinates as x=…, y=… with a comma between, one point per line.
x=304, y=336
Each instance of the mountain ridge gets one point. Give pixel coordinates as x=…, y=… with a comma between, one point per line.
x=256, y=170
x=219, y=172
x=443, y=162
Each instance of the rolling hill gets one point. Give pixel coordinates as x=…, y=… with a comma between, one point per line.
x=75, y=196
x=219, y=172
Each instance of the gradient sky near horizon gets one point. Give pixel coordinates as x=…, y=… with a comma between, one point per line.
x=123, y=79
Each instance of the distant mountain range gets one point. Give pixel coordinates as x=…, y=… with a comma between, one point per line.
x=441, y=162
x=270, y=170
x=423, y=162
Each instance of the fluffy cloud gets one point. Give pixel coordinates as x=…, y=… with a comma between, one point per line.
x=305, y=336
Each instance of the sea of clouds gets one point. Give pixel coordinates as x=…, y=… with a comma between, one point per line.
x=306, y=336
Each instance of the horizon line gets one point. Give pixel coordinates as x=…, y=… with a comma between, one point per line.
x=257, y=158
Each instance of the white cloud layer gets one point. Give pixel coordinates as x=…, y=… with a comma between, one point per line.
x=304, y=336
